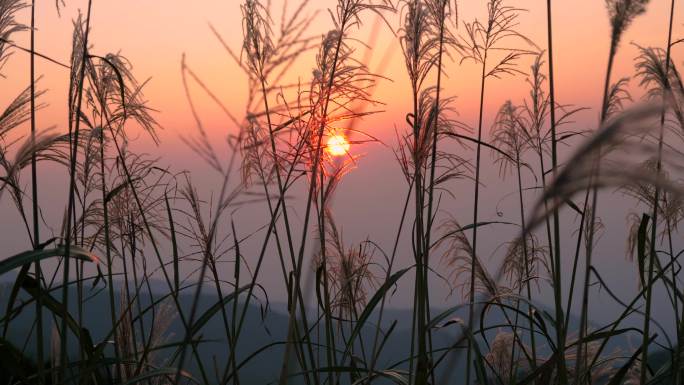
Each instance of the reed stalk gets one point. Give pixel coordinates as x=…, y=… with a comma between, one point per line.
x=40, y=354
x=656, y=208
x=74, y=131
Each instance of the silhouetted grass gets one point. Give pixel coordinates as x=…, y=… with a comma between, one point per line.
x=148, y=275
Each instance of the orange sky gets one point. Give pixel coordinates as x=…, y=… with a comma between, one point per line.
x=154, y=34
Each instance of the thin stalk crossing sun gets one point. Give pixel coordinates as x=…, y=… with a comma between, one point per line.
x=337, y=145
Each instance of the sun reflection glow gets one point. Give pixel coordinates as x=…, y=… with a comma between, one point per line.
x=337, y=145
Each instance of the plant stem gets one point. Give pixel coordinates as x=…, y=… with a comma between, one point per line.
x=558, y=295
x=314, y=177
x=34, y=189
x=74, y=122
x=593, y=187
x=527, y=263
x=108, y=254
x=433, y=161
x=656, y=204
x=471, y=299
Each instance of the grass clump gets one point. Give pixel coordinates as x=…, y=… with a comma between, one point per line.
x=148, y=275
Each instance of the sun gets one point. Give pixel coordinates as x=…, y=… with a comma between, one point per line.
x=337, y=145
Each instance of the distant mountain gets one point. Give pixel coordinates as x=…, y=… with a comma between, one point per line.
x=264, y=332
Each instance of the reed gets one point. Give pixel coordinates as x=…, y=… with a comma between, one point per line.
x=129, y=220
x=480, y=40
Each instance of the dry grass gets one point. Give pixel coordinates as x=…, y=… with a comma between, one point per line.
x=130, y=221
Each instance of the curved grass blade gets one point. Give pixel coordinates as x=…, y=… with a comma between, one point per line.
x=32, y=287
x=161, y=372
x=28, y=257
x=368, y=310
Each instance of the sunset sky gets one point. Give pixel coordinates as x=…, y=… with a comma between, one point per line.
x=155, y=34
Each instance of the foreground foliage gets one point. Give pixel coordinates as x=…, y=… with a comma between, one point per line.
x=170, y=273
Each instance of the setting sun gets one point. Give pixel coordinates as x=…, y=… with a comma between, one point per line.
x=338, y=145
x=211, y=164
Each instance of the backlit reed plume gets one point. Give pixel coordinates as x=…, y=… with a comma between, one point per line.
x=480, y=40
x=660, y=78
x=339, y=82
x=130, y=349
x=77, y=76
x=525, y=264
x=125, y=212
x=502, y=360
x=621, y=14
x=510, y=137
x=621, y=135
x=459, y=258
x=618, y=96
x=350, y=274
x=267, y=136
x=670, y=208
x=267, y=57
x=541, y=135
x=615, y=141
x=520, y=264
x=420, y=43
x=15, y=114
x=8, y=27
x=659, y=83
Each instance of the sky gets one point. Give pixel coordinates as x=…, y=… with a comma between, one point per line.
x=154, y=35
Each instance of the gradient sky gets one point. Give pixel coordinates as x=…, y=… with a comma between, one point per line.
x=154, y=34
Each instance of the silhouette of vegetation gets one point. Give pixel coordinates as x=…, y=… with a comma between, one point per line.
x=148, y=276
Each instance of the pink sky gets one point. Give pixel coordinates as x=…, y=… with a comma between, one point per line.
x=154, y=34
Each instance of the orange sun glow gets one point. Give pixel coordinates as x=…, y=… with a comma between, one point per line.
x=337, y=145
